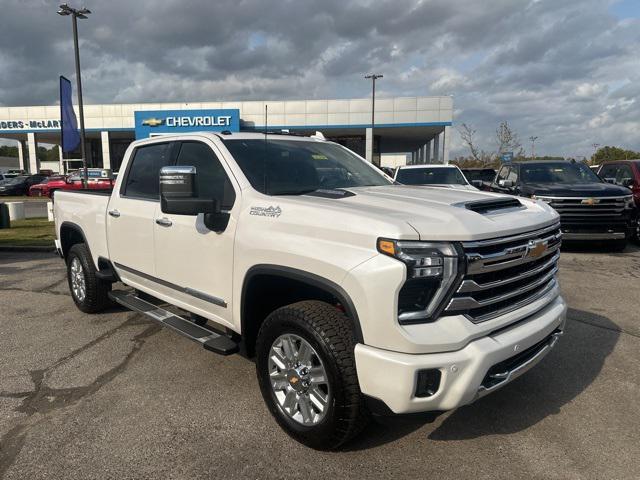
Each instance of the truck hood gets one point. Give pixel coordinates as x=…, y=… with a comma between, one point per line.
x=574, y=190
x=437, y=213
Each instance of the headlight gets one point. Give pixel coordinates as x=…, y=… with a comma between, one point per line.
x=432, y=270
x=628, y=202
x=542, y=199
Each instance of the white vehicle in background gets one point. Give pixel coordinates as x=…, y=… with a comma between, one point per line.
x=353, y=294
x=434, y=175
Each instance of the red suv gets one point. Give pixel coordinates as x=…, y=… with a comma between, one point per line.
x=627, y=174
x=99, y=179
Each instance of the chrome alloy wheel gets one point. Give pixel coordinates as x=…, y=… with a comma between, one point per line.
x=78, y=285
x=298, y=379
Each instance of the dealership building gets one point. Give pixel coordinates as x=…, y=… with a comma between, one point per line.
x=407, y=129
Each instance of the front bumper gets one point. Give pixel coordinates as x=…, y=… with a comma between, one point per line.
x=591, y=227
x=572, y=236
x=391, y=376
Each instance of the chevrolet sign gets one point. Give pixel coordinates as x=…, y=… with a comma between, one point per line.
x=153, y=122
x=179, y=121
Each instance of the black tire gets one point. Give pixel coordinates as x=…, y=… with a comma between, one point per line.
x=97, y=291
x=331, y=335
x=618, y=245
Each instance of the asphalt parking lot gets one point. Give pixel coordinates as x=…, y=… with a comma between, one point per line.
x=114, y=396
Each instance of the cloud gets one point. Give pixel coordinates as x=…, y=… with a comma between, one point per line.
x=566, y=72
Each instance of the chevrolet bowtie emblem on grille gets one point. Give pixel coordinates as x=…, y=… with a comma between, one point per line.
x=153, y=122
x=590, y=201
x=535, y=249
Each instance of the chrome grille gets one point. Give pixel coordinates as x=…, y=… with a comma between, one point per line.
x=578, y=207
x=507, y=273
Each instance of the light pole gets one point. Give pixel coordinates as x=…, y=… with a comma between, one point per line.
x=373, y=77
x=75, y=15
x=595, y=148
x=533, y=147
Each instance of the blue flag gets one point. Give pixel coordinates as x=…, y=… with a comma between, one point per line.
x=69, y=132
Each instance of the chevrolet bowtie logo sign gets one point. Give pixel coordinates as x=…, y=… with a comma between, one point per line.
x=153, y=122
x=590, y=201
x=535, y=249
x=150, y=123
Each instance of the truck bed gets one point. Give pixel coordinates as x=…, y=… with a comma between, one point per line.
x=86, y=210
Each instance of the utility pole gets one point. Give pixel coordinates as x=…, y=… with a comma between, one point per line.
x=595, y=148
x=533, y=147
x=75, y=14
x=373, y=77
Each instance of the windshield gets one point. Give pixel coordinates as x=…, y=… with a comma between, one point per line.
x=294, y=167
x=431, y=176
x=558, y=173
x=485, y=175
x=16, y=180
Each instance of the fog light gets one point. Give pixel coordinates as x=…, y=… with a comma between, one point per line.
x=428, y=382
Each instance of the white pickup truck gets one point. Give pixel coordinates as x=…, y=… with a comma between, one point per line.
x=355, y=295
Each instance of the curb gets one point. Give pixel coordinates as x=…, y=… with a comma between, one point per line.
x=27, y=248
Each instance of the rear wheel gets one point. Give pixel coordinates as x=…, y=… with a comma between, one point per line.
x=89, y=293
x=307, y=374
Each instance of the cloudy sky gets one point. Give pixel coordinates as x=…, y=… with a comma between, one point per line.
x=566, y=71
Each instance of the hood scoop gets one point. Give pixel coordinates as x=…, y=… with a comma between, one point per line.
x=331, y=193
x=490, y=206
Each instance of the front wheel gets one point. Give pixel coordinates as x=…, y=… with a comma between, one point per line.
x=618, y=245
x=307, y=374
x=89, y=293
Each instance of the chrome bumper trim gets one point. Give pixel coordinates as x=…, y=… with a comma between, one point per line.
x=509, y=375
x=594, y=236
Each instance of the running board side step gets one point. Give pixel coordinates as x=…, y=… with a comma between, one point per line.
x=209, y=339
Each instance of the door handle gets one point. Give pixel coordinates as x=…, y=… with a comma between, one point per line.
x=114, y=213
x=164, y=221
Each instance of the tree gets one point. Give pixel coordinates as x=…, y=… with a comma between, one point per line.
x=479, y=158
x=613, y=153
x=48, y=154
x=468, y=137
x=8, y=151
x=508, y=140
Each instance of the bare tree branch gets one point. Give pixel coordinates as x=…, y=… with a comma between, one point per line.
x=468, y=137
x=507, y=139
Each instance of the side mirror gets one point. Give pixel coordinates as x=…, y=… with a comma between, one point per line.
x=477, y=183
x=179, y=196
x=610, y=180
x=627, y=182
x=506, y=183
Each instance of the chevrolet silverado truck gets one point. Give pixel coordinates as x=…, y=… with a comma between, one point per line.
x=590, y=209
x=355, y=296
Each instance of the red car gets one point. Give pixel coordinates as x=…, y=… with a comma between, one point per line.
x=99, y=179
x=625, y=173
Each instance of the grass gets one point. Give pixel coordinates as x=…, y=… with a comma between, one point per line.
x=30, y=232
x=15, y=198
